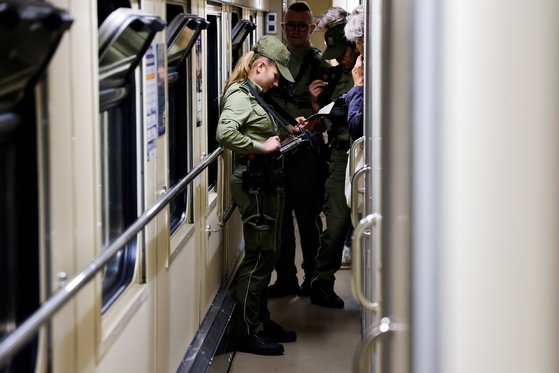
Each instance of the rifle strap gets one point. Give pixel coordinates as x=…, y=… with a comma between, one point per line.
x=277, y=107
x=266, y=107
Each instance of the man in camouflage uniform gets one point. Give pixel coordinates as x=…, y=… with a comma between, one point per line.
x=304, y=168
x=335, y=209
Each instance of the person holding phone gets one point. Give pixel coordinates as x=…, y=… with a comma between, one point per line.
x=305, y=168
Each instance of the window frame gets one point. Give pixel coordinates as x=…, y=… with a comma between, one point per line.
x=117, y=90
x=180, y=139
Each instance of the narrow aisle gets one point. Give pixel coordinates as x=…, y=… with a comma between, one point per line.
x=326, y=338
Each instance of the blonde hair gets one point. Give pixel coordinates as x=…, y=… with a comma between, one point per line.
x=242, y=69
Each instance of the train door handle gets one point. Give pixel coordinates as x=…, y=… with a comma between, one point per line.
x=373, y=338
x=355, y=192
x=359, y=143
x=356, y=248
x=211, y=230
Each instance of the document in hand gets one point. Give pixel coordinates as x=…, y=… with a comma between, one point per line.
x=324, y=111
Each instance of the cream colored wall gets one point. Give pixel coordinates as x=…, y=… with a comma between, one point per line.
x=72, y=117
x=318, y=7
x=346, y=4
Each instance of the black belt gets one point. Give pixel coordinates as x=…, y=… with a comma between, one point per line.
x=268, y=161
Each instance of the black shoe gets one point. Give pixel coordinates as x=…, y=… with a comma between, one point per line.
x=258, y=343
x=323, y=294
x=305, y=288
x=276, y=333
x=281, y=288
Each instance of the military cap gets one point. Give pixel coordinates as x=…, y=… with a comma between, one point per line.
x=336, y=43
x=271, y=47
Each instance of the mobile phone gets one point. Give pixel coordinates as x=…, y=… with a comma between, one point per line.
x=325, y=73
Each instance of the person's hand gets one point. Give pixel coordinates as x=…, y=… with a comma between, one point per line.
x=314, y=125
x=357, y=72
x=272, y=144
x=294, y=129
x=316, y=88
x=297, y=128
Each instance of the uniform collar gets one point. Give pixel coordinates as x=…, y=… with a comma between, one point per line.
x=255, y=86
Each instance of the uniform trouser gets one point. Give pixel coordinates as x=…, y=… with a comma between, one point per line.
x=304, y=190
x=261, y=247
x=338, y=219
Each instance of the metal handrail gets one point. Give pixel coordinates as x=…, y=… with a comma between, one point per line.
x=220, y=189
x=19, y=337
x=354, y=176
x=227, y=214
x=360, y=142
x=222, y=216
x=355, y=191
x=359, y=230
x=386, y=326
x=371, y=339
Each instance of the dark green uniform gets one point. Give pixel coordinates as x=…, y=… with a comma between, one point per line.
x=335, y=209
x=305, y=169
x=243, y=127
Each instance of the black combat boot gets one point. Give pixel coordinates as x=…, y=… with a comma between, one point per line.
x=322, y=293
x=258, y=343
x=276, y=333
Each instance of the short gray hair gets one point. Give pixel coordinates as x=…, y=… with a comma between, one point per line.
x=355, y=26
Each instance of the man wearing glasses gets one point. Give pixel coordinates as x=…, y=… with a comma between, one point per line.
x=305, y=169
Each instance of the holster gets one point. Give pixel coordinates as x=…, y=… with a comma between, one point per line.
x=263, y=175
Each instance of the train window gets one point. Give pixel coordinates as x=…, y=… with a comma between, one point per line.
x=182, y=34
x=125, y=35
x=234, y=17
x=123, y=39
x=213, y=87
x=252, y=39
x=30, y=34
x=119, y=191
x=240, y=31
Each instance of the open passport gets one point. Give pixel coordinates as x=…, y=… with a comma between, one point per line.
x=324, y=111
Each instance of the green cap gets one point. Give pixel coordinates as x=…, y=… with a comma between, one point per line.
x=336, y=43
x=271, y=47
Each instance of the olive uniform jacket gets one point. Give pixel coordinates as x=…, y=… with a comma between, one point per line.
x=244, y=125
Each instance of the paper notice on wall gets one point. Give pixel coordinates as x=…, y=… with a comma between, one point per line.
x=151, y=102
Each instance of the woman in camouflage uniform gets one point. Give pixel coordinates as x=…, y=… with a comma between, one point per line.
x=249, y=130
